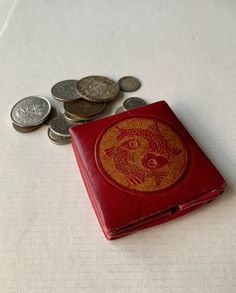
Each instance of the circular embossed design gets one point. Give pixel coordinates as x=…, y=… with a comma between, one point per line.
x=129, y=84
x=96, y=88
x=141, y=154
x=30, y=111
x=60, y=125
x=65, y=91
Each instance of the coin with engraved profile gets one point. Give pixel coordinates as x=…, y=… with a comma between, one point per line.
x=30, y=111
x=83, y=108
x=97, y=88
x=60, y=125
x=132, y=103
x=65, y=91
x=57, y=139
x=129, y=84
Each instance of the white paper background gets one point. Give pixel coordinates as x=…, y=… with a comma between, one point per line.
x=182, y=51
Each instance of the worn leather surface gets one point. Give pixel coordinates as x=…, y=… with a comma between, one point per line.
x=121, y=211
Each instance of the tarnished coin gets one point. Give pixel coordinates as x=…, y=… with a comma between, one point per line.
x=77, y=119
x=71, y=118
x=60, y=125
x=30, y=111
x=83, y=108
x=132, y=103
x=65, y=90
x=74, y=119
x=54, y=112
x=129, y=84
x=97, y=88
x=57, y=139
x=119, y=110
x=25, y=129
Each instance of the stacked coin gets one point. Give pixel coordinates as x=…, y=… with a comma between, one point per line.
x=82, y=109
x=129, y=104
x=83, y=100
x=29, y=113
x=130, y=84
x=58, y=131
x=97, y=88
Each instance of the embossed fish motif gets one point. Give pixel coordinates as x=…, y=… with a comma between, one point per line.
x=158, y=154
x=157, y=142
x=123, y=160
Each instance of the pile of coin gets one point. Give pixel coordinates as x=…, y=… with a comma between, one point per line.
x=83, y=100
x=29, y=113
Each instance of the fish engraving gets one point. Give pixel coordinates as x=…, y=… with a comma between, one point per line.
x=157, y=154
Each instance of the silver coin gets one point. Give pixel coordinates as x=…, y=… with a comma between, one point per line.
x=129, y=84
x=30, y=111
x=97, y=88
x=54, y=112
x=65, y=91
x=119, y=110
x=25, y=129
x=132, y=103
x=60, y=125
x=57, y=139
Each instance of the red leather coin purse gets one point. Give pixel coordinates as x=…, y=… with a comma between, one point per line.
x=142, y=168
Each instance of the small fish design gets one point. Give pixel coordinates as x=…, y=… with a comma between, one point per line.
x=157, y=142
x=157, y=155
x=123, y=160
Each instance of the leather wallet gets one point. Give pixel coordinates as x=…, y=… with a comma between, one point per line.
x=142, y=168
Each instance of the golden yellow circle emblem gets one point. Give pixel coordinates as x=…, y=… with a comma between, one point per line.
x=141, y=154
